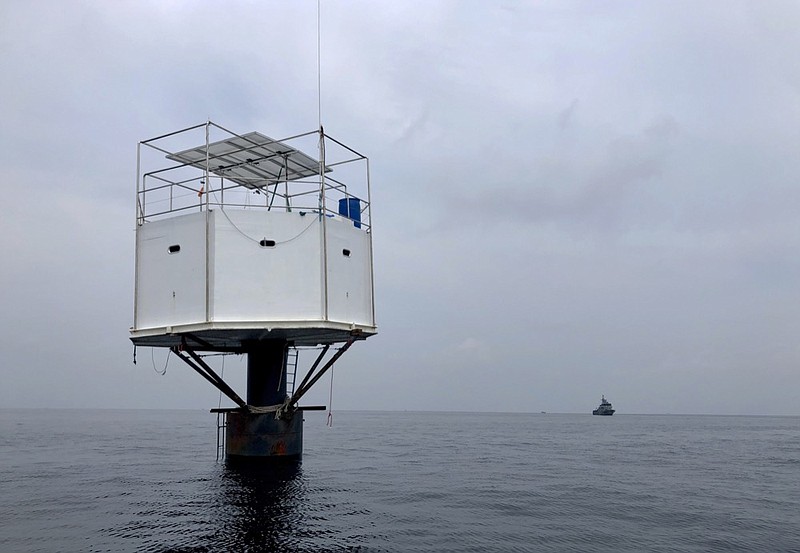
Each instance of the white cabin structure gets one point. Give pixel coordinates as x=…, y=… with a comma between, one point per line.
x=242, y=238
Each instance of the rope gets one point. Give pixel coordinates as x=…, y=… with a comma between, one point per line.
x=264, y=408
x=330, y=403
x=153, y=359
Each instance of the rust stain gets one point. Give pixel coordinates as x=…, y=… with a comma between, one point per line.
x=278, y=448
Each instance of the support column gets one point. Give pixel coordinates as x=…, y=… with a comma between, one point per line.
x=266, y=373
x=261, y=436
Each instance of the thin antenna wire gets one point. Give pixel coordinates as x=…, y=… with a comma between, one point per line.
x=319, y=64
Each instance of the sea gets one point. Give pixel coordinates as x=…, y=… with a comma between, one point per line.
x=132, y=481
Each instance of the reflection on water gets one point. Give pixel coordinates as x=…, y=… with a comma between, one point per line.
x=274, y=507
x=262, y=506
x=284, y=508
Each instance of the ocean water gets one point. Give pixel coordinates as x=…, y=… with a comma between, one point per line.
x=119, y=481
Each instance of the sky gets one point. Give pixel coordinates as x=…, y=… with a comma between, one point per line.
x=571, y=198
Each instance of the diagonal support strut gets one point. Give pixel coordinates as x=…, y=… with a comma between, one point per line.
x=314, y=366
x=202, y=368
x=300, y=392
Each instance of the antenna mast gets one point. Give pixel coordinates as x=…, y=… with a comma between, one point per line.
x=319, y=65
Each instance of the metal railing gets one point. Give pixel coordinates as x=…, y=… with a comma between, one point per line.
x=167, y=186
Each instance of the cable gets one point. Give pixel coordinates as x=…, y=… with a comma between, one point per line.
x=330, y=403
x=257, y=240
x=153, y=359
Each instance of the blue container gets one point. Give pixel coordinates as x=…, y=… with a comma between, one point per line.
x=351, y=208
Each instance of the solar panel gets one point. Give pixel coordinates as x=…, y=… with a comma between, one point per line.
x=252, y=160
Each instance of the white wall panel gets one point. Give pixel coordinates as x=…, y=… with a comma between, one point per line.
x=250, y=283
x=171, y=286
x=255, y=283
x=349, y=282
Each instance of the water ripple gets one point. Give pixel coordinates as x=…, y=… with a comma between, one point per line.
x=419, y=482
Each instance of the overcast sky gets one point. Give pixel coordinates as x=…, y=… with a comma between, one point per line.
x=570, y=198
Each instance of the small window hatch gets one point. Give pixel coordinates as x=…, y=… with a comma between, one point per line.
x=346, y=252
x=175, y=248
x=267, y=243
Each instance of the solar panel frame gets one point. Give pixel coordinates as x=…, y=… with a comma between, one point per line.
x=252, y=160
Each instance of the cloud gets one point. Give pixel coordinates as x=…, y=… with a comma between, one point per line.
x=566, y=115
x=470, y=345
x=570, y=198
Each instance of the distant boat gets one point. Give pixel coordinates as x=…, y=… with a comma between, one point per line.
x=604, y=409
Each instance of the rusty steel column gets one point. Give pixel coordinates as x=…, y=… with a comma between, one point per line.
x=261, y=437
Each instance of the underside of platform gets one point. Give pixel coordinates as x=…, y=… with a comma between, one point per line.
x=234, y=337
